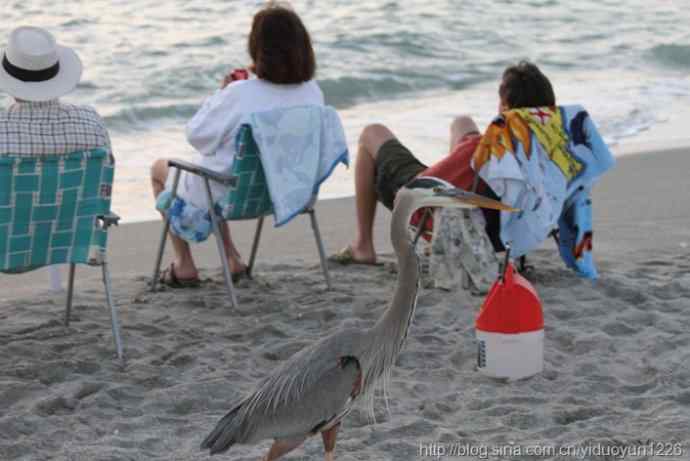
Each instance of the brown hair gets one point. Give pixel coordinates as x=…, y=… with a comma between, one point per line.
x=524, y=85
x=280, y=46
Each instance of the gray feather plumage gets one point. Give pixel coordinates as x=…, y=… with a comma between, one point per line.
x=312, y=388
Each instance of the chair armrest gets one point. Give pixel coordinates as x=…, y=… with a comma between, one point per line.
x=225, y=179
x=109, y=219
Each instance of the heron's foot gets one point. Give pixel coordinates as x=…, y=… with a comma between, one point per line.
x=330, y=456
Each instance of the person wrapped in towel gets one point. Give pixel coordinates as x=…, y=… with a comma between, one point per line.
x=545, y=161
x=384, y=165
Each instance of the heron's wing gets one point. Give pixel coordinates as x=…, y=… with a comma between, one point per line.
x=288, y=408
x=310, y=389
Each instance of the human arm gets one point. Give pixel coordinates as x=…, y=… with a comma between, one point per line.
x=216, y=117
x=206, y=130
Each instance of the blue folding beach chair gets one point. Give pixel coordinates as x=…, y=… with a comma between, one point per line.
x=247, y=198
x=56, y=210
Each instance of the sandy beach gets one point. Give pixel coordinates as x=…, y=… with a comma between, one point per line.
x=617, y=352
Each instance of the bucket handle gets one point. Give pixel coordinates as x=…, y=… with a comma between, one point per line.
x=505, y=274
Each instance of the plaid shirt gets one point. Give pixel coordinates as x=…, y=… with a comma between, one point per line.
x=50, y=127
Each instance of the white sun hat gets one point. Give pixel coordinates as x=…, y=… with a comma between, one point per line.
x=34, y=67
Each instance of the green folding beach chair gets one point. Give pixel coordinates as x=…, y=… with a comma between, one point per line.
x=247, y=198
x=56, y=210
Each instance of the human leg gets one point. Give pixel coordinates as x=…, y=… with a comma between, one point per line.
x=370, y=141
x=459, y=128
x=183, y=265
x=237, y=266
x=159, y=174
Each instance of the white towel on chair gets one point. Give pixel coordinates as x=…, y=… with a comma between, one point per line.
x=299, y=147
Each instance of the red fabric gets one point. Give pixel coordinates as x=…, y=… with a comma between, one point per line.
x=455, y=168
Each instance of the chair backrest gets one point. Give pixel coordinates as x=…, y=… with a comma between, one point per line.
x=249, y=198
x=49, y=207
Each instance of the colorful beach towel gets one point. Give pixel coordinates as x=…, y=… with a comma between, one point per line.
x=575, y=234
x=536, y=160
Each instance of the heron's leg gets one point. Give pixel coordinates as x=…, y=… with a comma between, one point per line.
x=329, y=441
x=281, y=447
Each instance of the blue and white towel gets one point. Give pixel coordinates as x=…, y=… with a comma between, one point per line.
x=300, y=147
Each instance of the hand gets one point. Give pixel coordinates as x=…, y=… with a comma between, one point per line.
x=226, y=80
x=237, y=74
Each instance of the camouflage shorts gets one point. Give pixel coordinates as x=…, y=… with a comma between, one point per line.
x=460, y=243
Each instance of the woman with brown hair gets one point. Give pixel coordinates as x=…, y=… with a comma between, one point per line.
x=283, y=63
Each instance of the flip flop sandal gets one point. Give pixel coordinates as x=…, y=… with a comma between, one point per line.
x=346, y=256
x=170, y=279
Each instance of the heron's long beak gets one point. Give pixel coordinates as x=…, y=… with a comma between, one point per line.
x=469, y=199
x=446, y=198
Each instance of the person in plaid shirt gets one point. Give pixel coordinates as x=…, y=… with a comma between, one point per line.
x=36, y=71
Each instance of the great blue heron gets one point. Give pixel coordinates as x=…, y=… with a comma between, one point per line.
x=313, y=390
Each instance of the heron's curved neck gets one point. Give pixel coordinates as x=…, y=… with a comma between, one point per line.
x=392, y=327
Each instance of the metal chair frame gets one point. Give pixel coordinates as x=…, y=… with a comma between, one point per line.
x=103, y=221
x=229, y=181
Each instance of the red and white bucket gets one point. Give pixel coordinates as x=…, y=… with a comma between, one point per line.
x=510, y=329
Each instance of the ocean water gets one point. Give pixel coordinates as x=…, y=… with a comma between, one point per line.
x=410, y=64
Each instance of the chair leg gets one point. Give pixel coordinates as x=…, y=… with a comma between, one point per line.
x=159, y=257
x=113, y=311
x=219, y=242
x=70, y=291
x=319, y=245
x=554, y=234
x=164, y=236
x=255, y=245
